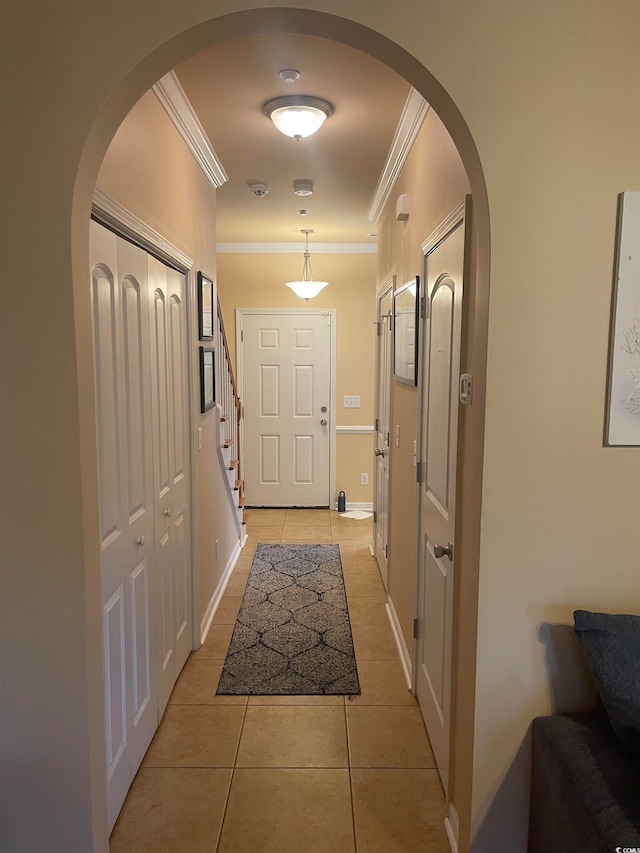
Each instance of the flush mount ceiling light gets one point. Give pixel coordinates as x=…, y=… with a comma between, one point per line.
x=307, y=288
x=298, y=116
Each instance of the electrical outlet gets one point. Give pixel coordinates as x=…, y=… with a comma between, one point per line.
x=364, y=479
x=351, y=402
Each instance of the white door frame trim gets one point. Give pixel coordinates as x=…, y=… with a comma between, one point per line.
x=456, y=217
x=333, y=314
x=122, y=221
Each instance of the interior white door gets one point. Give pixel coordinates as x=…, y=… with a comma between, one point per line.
x=169, y=375
x=443, y=276
x=286, y=394
x=383, y=429
x=121, y=335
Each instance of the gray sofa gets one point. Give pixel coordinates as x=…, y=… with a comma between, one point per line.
x=585, y=787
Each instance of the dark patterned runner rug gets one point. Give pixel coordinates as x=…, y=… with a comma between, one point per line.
x=293, y=635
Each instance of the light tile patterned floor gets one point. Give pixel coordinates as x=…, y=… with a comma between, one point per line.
x=300, y=774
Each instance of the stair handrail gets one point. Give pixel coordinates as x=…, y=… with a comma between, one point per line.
x=226, y=350
x=232, y=428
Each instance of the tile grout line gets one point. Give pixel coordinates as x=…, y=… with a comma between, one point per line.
x=233, y=771
x=346, y=725
x=353, y=808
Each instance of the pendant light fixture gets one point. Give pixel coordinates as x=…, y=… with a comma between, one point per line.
x=298, y=116
x=307, y=288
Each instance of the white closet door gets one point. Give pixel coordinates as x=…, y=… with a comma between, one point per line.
x=167, y=295
x=444, y=269
x=121, y=334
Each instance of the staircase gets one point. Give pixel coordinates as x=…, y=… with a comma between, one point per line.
x=230, y=416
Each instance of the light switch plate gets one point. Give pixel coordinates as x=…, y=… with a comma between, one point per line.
x=351, y=402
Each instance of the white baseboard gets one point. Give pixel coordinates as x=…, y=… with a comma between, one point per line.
x=405, y=657
x=365, y=506
x=452, y=827
x=210, y=612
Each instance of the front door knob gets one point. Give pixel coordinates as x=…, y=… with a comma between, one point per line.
x=323, y=422
x=379, y=452
x=440, y=551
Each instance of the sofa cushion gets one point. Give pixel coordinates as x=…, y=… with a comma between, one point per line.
x=611, y=644
x=584, y=787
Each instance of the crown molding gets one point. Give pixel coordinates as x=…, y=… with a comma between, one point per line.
x=173, y=98
x=116, y=217
x=297, y=248
x=413, y=114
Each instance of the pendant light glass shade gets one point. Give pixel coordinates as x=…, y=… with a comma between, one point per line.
x=298, y=116
x=306, y=288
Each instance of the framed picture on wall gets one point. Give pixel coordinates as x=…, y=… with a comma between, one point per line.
x=406, y=301
x=622, y=417
x=207, y=379
x=205, y=307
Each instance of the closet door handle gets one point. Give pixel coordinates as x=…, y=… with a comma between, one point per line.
x=441, y=551
x=167, y=512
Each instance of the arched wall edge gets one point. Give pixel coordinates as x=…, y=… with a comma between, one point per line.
x=105, y=124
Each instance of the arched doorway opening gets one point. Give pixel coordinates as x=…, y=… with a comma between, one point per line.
x=474, y=331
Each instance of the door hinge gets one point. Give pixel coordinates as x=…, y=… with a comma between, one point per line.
x=378, y=326
x=386, y=551
x=416, y=632
x=424, y=307
x=375, y=516
x=377, y=423
x=241, y=335
x=419, y=472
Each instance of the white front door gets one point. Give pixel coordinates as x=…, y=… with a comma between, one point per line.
x=123, y=397
x=170, y=426
x=383, y=429
x=285, y=369
x=443, y=277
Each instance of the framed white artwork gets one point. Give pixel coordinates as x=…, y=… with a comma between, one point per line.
x=622, y=418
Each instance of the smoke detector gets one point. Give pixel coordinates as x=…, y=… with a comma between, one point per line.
x=259, y=189
x=289, y=75
x=303, y=186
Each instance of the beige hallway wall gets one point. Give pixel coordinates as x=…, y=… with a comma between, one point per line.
x=257, y=281
x=434, y=179
x=549, y=94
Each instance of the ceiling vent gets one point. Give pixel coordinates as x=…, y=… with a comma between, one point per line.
x=259, y=189
x=303, y=186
